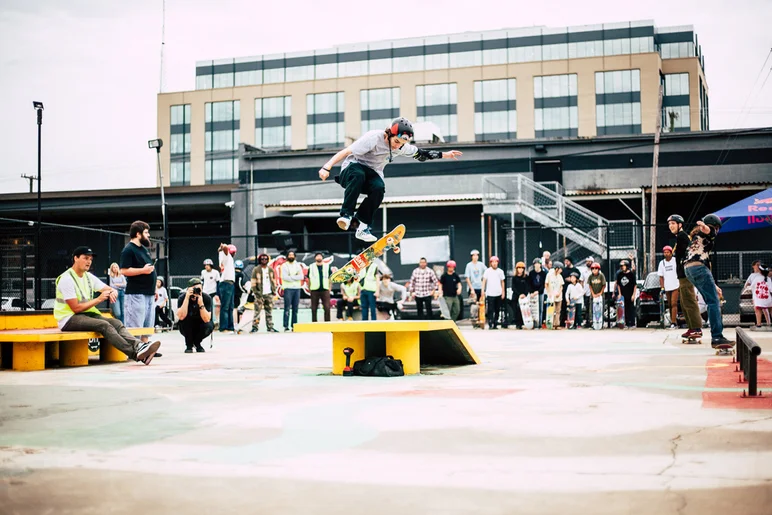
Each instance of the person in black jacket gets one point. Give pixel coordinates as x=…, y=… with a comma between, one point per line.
x=567, y=272
x=520, y=289
x=536, y=278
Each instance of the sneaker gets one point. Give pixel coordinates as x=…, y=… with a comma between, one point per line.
x=363, y=233
x=691, y=333
x=673, y=326
x=715, y=342
x=287, y=329
x=199, y=348
x=344, y=222
x=253, y=330
x=272, y=330
x=146, y=352
x=189, y=350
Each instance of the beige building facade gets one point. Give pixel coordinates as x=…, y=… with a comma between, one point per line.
x=491, y=86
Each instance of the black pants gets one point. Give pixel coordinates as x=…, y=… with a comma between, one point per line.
x=161, y=314
x=588, y=310
x=421, y=304
x=516, y=308
x=629, y=311
x=493, y=305
x=194, y=331
x=358, y=179
x=347, y=306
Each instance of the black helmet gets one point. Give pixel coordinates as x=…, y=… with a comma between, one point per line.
x=624, y=262
x=402, y=128
x=713, y=220
x=676, y=218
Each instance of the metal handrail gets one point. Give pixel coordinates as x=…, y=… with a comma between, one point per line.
x=747, y=352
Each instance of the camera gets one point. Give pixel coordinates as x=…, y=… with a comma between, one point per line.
x=197, y=290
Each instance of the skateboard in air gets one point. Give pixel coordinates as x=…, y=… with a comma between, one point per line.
x=550, y=314
x=725, y=349
x=620, y=312
x=525, y=311
x=360, y=262
x=597, y=313
x=570, y=316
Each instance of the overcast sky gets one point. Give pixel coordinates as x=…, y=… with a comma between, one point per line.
x=96, y=64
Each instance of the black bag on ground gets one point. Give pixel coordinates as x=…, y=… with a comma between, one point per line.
x=385, y=366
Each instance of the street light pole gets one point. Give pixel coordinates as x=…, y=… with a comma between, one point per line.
x=38, y=302
x=157, y=144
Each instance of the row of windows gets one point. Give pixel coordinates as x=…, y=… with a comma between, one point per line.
x=495, y=90
x=433, y=61
x=622, y=81
x=676, y=119
x=180, y=114
x=608, y=115
x=219, y=171
x=676, y=84
x=554, y=86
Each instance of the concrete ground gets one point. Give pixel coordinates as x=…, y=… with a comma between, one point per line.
x=595, y=422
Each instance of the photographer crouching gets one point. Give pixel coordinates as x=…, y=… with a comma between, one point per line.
x=195, y=315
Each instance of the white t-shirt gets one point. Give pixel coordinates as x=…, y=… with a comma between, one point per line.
x=474, y=272
x=493, y=278
x=266, y=282
x=585, y=273
x=228, y=270
x=210, y=280
x=761, y=287
x=160, y=296
x=574, y=293
x=667, y=269
x=67, y=287
x=372, y=150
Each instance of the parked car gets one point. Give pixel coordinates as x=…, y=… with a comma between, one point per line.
x=747, y=312
x=647, y=305
x=14, y=304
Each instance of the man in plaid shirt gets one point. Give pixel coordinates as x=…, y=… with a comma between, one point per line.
x=423, y=285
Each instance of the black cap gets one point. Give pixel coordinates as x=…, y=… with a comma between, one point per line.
x=79, y=251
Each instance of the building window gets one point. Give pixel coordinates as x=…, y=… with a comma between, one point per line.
x=675, y=103
x=555, y=101
x=618, y=102
x=221, y=141
x=676, y=50
x=495, y=110
x=704, y=119
x=273, y=123
x=437, y=104
x=179, y=146
x=325, y=120
x=379, y=107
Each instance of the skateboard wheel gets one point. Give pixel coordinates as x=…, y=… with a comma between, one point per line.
x=389, y=241
x=396, y=250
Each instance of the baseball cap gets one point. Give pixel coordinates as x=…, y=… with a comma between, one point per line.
x=79, y=251
x=590, y=259
x=667, y=247
x=194, y=281
x=475, y=251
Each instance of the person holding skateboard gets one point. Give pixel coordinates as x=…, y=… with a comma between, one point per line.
x=536, y=280
x=696, y=268
x=686, y=294
x=574, y=300
x=494, y=290
x=362, y=171
x=554, y=291
x=668, y=282
x=626, y=288
x=450, y=282
x=520, y=290
x=597, y=282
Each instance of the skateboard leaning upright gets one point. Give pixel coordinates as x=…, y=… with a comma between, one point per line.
x=620, y=312
x=365, y=258
x=525, y=311
x=597, y=313
x=550, y=314
x=570, y=316
x=534, y=300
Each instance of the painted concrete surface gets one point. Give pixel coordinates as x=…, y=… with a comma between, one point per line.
x=604, y=422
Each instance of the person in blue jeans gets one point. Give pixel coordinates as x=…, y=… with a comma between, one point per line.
x=369, y=288
x=696, y=268
x=292, y=277
x=118, y=283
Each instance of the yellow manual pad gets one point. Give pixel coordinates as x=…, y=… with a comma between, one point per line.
x=416, y=343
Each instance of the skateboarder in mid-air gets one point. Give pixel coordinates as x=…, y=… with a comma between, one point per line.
x=362, y=171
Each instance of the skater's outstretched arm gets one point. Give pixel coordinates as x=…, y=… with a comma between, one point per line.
x=422, y=155
x=324, y=172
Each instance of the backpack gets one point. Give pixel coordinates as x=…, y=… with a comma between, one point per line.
x=385, y=366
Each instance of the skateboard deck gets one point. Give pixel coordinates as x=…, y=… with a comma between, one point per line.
x=691, y=341
x=570, y=316
x=664, y=313
x=366, y=257
x=724, y=349
x=550, y=314
x=481, y=312
x=597, y=313
x=525, y=311
x=620, y=312
x=534, y=300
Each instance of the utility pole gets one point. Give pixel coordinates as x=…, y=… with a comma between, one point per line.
x=654, y=173
x=30, y=178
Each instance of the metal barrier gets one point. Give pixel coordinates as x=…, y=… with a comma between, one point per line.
x=747, y=353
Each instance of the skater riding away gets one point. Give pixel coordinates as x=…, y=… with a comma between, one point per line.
x=362, y=171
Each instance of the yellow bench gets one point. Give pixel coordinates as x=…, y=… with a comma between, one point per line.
x=30, y=341
x=416, y=343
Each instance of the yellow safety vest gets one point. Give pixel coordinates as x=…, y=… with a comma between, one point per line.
x=294, y=269
x=351, y=289
x=313, y=276
x=84, y=291
x=370, y=283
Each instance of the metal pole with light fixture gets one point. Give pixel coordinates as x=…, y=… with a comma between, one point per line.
x=157, y=144
x=38, y=302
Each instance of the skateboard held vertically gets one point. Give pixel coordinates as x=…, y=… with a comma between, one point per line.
x=597, y=313
x=550, y=314
x=360, y=262
x=620, y=312
x=570, y=316
x=525, y=311
x=535, y=311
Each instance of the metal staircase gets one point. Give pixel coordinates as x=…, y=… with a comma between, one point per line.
x=507, y=194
